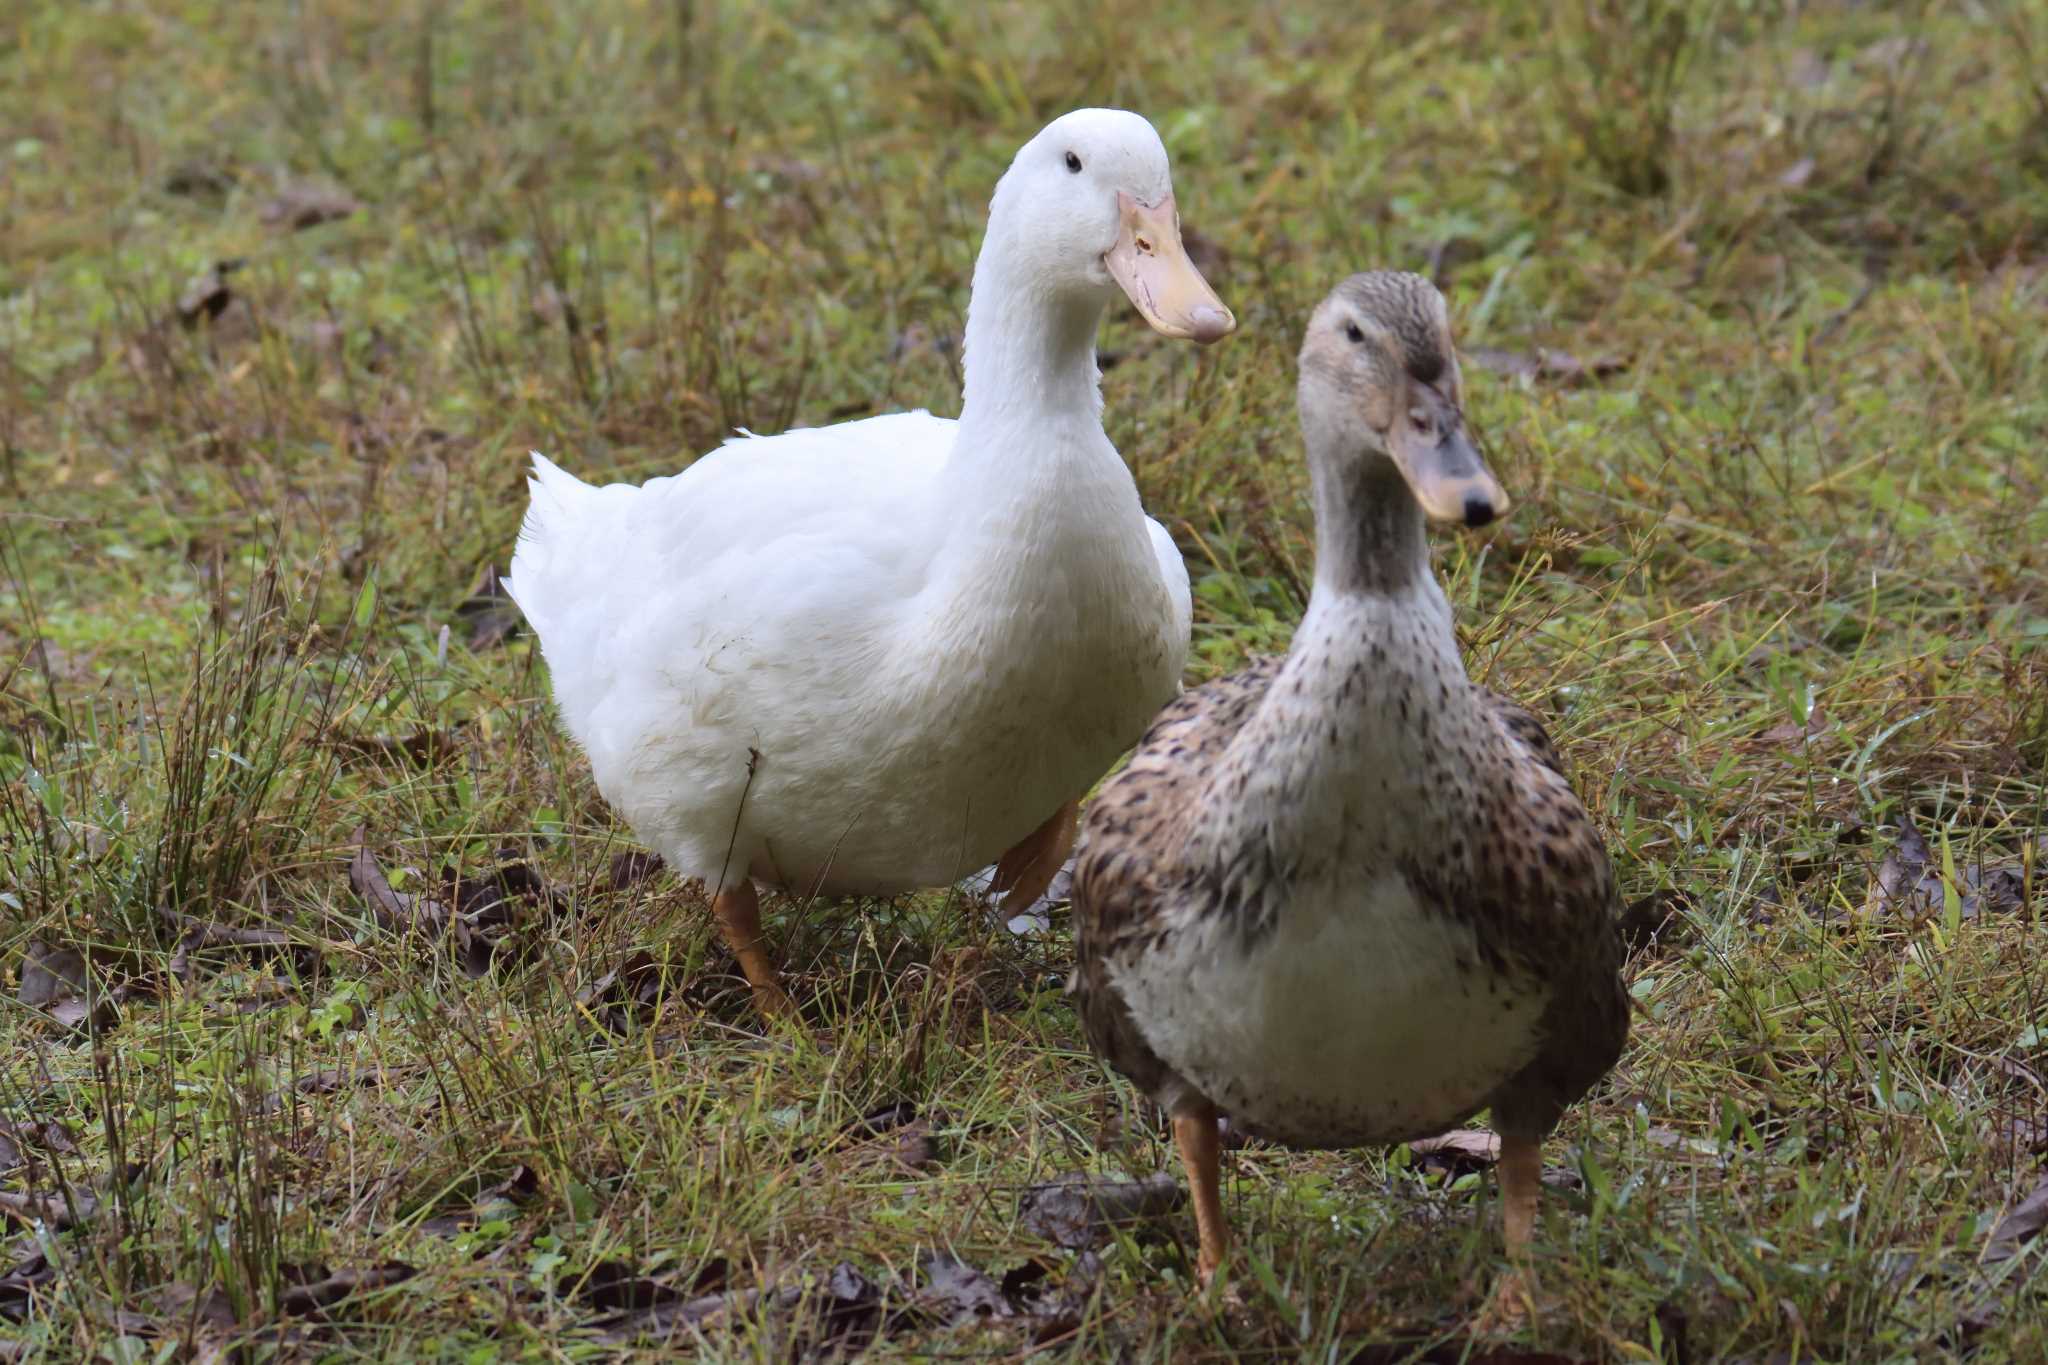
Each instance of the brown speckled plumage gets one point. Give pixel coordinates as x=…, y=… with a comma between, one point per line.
x=1366, y=759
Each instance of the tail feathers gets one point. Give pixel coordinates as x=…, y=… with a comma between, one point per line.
x=551, y=483
x=554, y=499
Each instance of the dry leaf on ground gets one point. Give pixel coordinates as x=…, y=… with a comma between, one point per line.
x=1082, y=1210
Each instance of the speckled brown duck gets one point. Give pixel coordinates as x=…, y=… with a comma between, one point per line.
x=1348, y=897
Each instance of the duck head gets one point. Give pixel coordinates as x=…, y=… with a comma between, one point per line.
x=1087, y=206
x=1379, y=381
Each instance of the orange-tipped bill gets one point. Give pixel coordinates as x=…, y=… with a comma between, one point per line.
x=1446, y=475
x=1153, y=268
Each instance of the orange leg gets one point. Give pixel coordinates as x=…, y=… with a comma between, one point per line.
x=738, y=911
x=1026, y=870
x=1195, y=1135
x=1521, y=1180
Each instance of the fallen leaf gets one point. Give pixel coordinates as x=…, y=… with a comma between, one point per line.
x=662, y=1320
x=1204, y=252
x=2005, y=1064
x=301, y=205
x=489, y=910
x=1036, y=918
x=956, y=1293
x=521, y=1185
x=1081, y=1210
x=492, y=896
x=1900, y=1269
x=1785, y=732
x=1656, y=920
x=614, y=1287
x=1999, y=890
x=54, y=1209
x=482, y=913
x=207, y=294
x=877, y=1121
x=2017, y=1228
x=17, y=1138
x=848, y=1312
x=845, y=1313
x=915, y=1149
x=212, y=1309
x=327, y=1081
x=1023, y=1284
x=1797, y=174
x=1909, y=881
x=199, y=178
x=397, y=913
x=57, y=982
x=318, y=1294
x=323, y=1082
x=423, y=747
x=199, y=936
x=1544, y=363
x=20, y=1286
x=631, y=867
x=495, y=1201
x=49, y=974
x=1458, y=1152
x=489, y=611
x=616, y=998
x=2022, y=1133
x=910, y=1144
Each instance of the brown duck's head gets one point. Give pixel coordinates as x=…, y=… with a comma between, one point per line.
x=1380, y=381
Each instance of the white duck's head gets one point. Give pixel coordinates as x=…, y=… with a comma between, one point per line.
x=1087, y=205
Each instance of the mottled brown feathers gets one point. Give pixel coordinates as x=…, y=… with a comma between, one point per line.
x=1363, y=782
x=1534, y=877
x=1133, y=824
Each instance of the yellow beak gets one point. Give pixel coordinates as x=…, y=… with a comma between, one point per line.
x=1153, y=268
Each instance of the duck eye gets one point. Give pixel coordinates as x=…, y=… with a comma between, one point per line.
x=1073, y=163
x=1352, y=330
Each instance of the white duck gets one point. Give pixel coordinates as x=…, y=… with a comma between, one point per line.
x=873, y=657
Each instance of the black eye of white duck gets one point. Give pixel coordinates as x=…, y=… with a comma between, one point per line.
x=1073, y=163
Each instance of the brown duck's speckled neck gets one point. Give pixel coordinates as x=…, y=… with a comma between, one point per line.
x=1369, y=744
x=1369, y=532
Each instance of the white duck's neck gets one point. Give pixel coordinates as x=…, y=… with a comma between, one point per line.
x=1031, y=378
x=1031, y=469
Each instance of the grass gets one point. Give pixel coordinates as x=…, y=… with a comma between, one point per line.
x=1777, y=579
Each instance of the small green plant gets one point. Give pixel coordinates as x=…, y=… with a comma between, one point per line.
x=1622, y=64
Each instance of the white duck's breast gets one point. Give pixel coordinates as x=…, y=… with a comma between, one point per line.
x=1362, y=1017
x=1010, y=695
